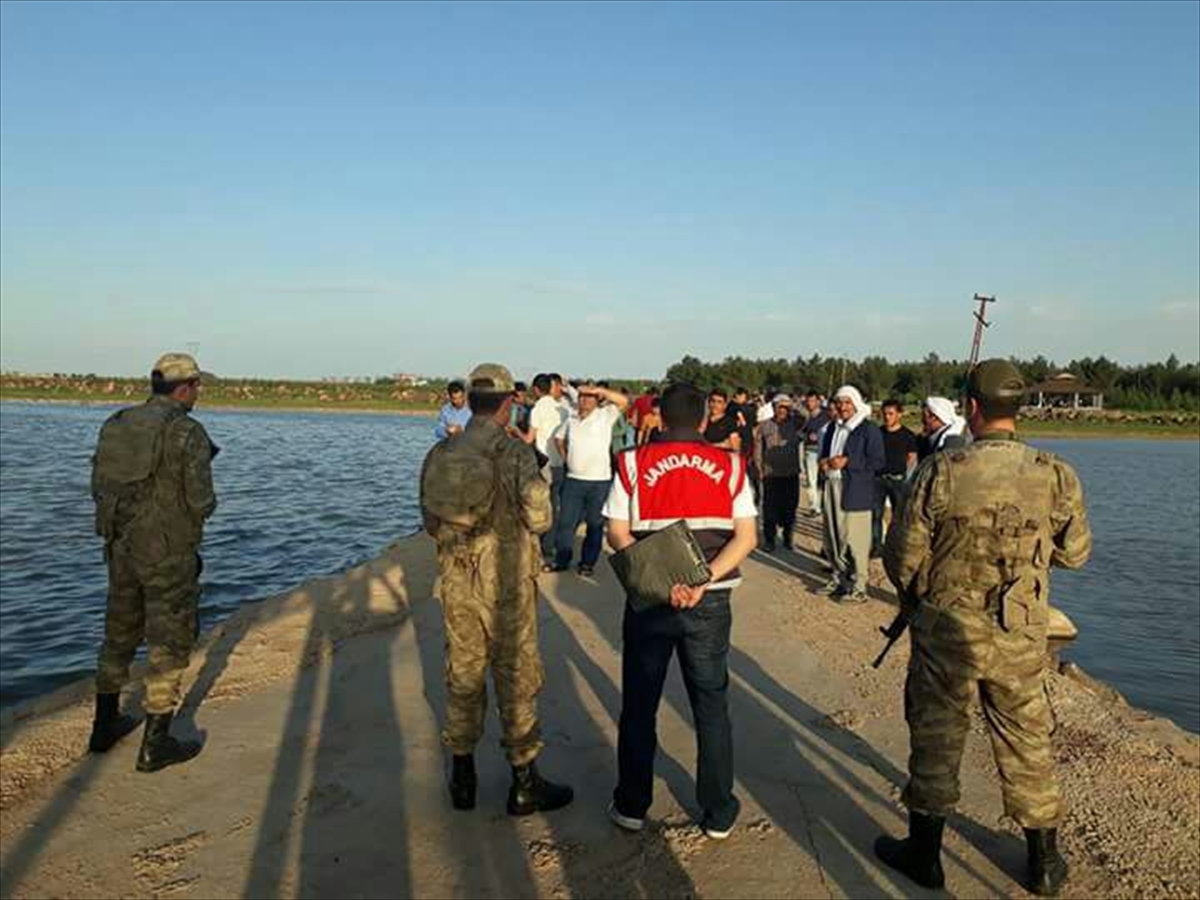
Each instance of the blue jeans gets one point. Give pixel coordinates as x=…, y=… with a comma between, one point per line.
x=888, y=489
x=550, y=538
x=582, y=501
x=701, y=638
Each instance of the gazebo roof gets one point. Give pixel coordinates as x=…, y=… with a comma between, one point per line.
x=1064, y=383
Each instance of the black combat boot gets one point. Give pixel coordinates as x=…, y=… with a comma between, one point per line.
x=1047, y=868
x=462, y=782
x=109, y=726
x=531, y=793
x=919, y=856
x=159, y=749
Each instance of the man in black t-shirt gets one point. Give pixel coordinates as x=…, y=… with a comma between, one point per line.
x=900, y=455
x=744, y=411
x=722, y=428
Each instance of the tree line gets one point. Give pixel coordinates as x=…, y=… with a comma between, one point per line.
x=1167, y=385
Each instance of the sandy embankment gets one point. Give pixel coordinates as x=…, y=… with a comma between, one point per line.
x=323, y=775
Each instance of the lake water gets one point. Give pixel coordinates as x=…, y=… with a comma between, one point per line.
x=305, y=494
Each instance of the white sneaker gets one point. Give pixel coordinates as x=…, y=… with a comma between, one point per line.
x=627, y=822
x=716, y=835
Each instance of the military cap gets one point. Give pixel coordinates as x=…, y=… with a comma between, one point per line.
x=177, y=367
x=490, y=378
x=996, y=379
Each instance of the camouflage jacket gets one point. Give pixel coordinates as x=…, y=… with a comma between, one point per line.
x=169, y=520
x=521, y=504
x=985, y=523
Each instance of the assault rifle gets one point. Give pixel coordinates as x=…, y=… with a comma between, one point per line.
x=893, y=633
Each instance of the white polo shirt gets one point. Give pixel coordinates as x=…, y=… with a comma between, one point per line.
x=589, y=444
x=547, y=417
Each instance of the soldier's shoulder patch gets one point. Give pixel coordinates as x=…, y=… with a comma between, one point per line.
x=1044, y=458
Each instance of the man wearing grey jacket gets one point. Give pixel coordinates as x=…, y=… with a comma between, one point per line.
x=777, y=456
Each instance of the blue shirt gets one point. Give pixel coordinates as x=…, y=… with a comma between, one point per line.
x=450, y=415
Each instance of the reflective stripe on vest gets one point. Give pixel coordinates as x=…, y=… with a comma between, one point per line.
x=672, y=480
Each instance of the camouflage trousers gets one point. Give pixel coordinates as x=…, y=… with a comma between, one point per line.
x=957, y=653
x=488, y=627
x=158, y=603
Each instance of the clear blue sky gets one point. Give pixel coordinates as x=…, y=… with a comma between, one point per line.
x=308, y=189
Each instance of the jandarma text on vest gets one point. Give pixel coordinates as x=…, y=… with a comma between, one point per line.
x=681, y=461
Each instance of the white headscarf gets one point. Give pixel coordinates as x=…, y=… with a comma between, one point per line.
x=862, y=411
x=954, y=423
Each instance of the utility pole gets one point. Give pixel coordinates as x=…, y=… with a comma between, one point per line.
x=980, y=323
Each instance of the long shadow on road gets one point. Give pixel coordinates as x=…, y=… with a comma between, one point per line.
x=323, y=814
x=592, y=859
x=798, y=775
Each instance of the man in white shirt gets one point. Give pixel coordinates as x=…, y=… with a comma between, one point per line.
x=550, y=413
x=585, y=444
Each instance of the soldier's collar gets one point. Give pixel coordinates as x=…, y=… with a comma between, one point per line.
x=483, y=422
x=998, y=436
x=167, y=400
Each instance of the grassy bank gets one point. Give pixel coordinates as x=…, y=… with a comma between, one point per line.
x=213, y=399
x=369, y=398
x=1130, y=428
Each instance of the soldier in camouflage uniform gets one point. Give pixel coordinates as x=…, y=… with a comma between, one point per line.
x=484, y=502
x=982, y=528
x=152, y=484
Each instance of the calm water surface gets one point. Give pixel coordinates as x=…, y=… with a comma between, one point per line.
x=299, y=495
x=303, y=495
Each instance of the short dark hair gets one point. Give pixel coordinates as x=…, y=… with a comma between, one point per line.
x=718, y=392
x=542, y=383
x=740, y=390
x=519, y=386
x=999, y=408
x=603, y=384
x=554, y=376
x=486, y=403
x=455, y=387
x=892, y=403
x=682, y=406
x=164, y=388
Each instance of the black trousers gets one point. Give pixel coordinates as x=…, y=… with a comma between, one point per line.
x=700, y=638
x=781, y=495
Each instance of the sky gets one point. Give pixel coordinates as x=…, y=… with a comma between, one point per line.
x=309, y=190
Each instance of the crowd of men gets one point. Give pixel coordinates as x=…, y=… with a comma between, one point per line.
x=968, y=533
x=827, y=459
x=978, y=518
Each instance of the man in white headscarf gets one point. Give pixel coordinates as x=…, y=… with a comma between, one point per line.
x=852, y=456
x=944, y=427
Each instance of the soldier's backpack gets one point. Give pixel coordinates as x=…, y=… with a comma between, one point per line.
x=458, y=484
x=128, y=455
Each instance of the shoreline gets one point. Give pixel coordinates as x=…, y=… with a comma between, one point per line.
x=234, y=407
x=66, y=694
x=1028, y=428
x=326, y=702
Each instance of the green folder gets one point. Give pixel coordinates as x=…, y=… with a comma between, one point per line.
x=648, y=568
